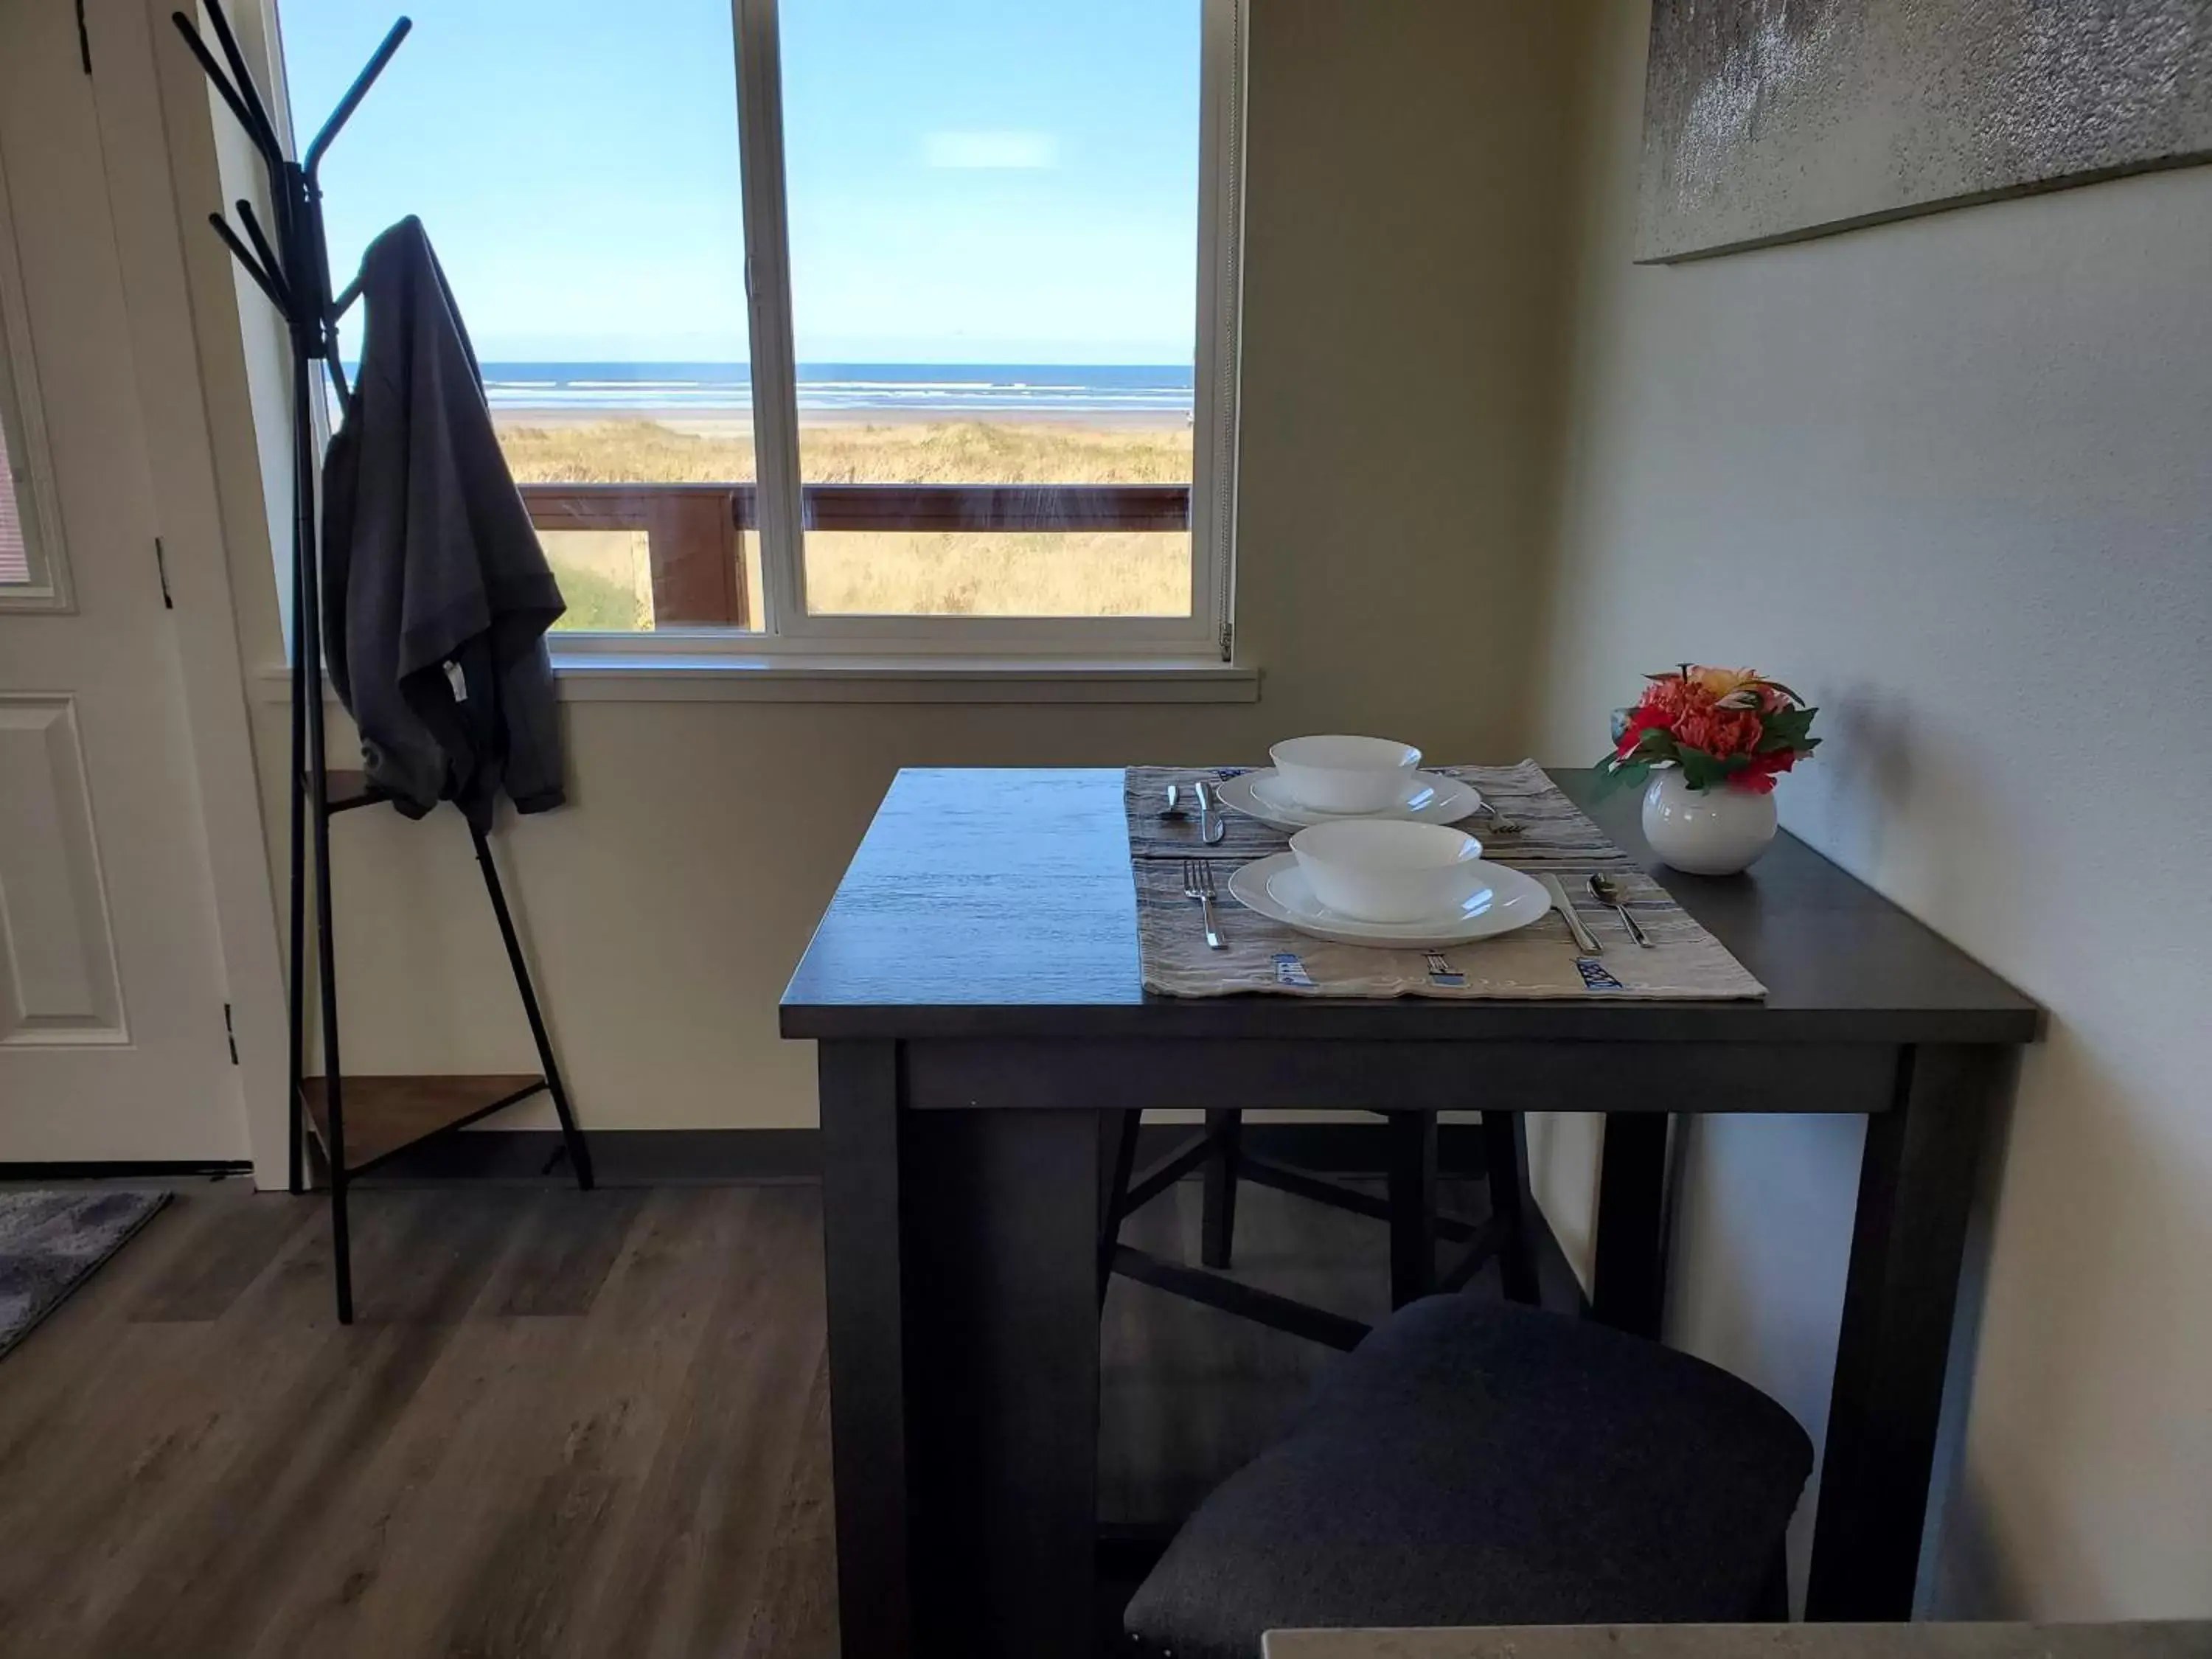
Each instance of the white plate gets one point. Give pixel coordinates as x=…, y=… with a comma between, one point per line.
x=1277, y=888
x=1434, y=799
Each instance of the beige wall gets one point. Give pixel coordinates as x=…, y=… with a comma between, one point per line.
x=1953, y=477
x=1404, y=263
x=1949, y=476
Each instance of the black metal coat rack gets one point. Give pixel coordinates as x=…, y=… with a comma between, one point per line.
x=391, y=1113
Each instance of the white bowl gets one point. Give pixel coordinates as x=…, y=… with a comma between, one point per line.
x=1384, y=870
x=1346, y=774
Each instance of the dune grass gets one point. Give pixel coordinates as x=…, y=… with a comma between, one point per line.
x=1073, y=574
x=599, y=601
x=640, y=451
x=1077, y=573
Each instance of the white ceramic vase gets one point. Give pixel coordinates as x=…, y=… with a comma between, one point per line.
x=1706, y=832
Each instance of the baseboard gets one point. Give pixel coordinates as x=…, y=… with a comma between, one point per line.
x=620, y=1158
x=657, y=1157
x=132, y=1169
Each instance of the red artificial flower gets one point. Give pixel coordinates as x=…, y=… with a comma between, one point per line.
x=1664, y=702
x=1760, y=776
x=1640, y=720
x=1701, y=716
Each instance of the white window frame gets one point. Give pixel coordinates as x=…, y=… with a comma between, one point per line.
x=1206, y=633
x=29, y=459
x=846, y=644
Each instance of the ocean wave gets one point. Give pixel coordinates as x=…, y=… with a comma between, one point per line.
x=856, y=388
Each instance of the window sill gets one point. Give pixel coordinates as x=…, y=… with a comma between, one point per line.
x=725, y=677
x=728, y=678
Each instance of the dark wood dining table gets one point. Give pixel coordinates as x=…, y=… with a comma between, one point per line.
x=975, y=993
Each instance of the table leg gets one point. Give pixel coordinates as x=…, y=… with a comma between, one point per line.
x=999, y=1218
x=1915, y=1188
x=867, y=1408
x=1629, y=1291
x=1413, y=1206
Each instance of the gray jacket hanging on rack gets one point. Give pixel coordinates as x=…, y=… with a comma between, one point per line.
x=436, y=595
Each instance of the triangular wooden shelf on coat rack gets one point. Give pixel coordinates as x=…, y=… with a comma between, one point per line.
x=357, y=1121
x=386, y=1115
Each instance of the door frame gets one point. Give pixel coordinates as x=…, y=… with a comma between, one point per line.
x=158, y=138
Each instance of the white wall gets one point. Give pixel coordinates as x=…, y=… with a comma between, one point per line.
x=1405, y=247
x=1954, y=479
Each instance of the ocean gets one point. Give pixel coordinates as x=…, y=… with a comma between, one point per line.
x=907, y=390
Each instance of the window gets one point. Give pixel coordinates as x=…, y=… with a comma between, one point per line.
x=32, y=575
x=577, y=171
x=981, y=394
x=14, y=539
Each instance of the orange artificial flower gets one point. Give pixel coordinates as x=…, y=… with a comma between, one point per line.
x=1721, y=726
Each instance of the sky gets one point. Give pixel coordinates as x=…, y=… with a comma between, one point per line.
x=980, y=181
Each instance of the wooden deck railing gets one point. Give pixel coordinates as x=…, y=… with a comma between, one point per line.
x=693, y=530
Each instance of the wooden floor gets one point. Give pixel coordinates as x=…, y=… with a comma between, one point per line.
x=565, y=1423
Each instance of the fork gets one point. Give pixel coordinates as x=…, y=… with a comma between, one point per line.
x=1499, y=821
x=1198, y=883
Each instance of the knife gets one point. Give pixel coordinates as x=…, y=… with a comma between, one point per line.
x=1585, y=941
x=1212, y=828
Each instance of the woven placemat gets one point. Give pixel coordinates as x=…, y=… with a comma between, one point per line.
x=1554, y=836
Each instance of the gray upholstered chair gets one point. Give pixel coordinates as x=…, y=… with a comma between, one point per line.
x=1474, y=1463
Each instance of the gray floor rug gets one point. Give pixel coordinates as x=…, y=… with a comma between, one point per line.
x=51, y=1243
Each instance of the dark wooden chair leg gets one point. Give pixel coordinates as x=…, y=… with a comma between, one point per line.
x=1413, y=1206
x=1773, y=1608
x=1630, y=1289
x=1220, y=1227
x=1117, y=1162
x=1506, y=1156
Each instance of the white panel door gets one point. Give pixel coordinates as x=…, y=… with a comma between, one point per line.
x=112, y=1043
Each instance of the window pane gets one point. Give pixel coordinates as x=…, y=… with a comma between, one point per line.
x=995, y=240
x=575, y=164
x=15, y=497
x=998, y=574
x=605, y=575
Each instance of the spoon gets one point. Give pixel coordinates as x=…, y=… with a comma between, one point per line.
x=1174, y=808
x=1606, y=891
